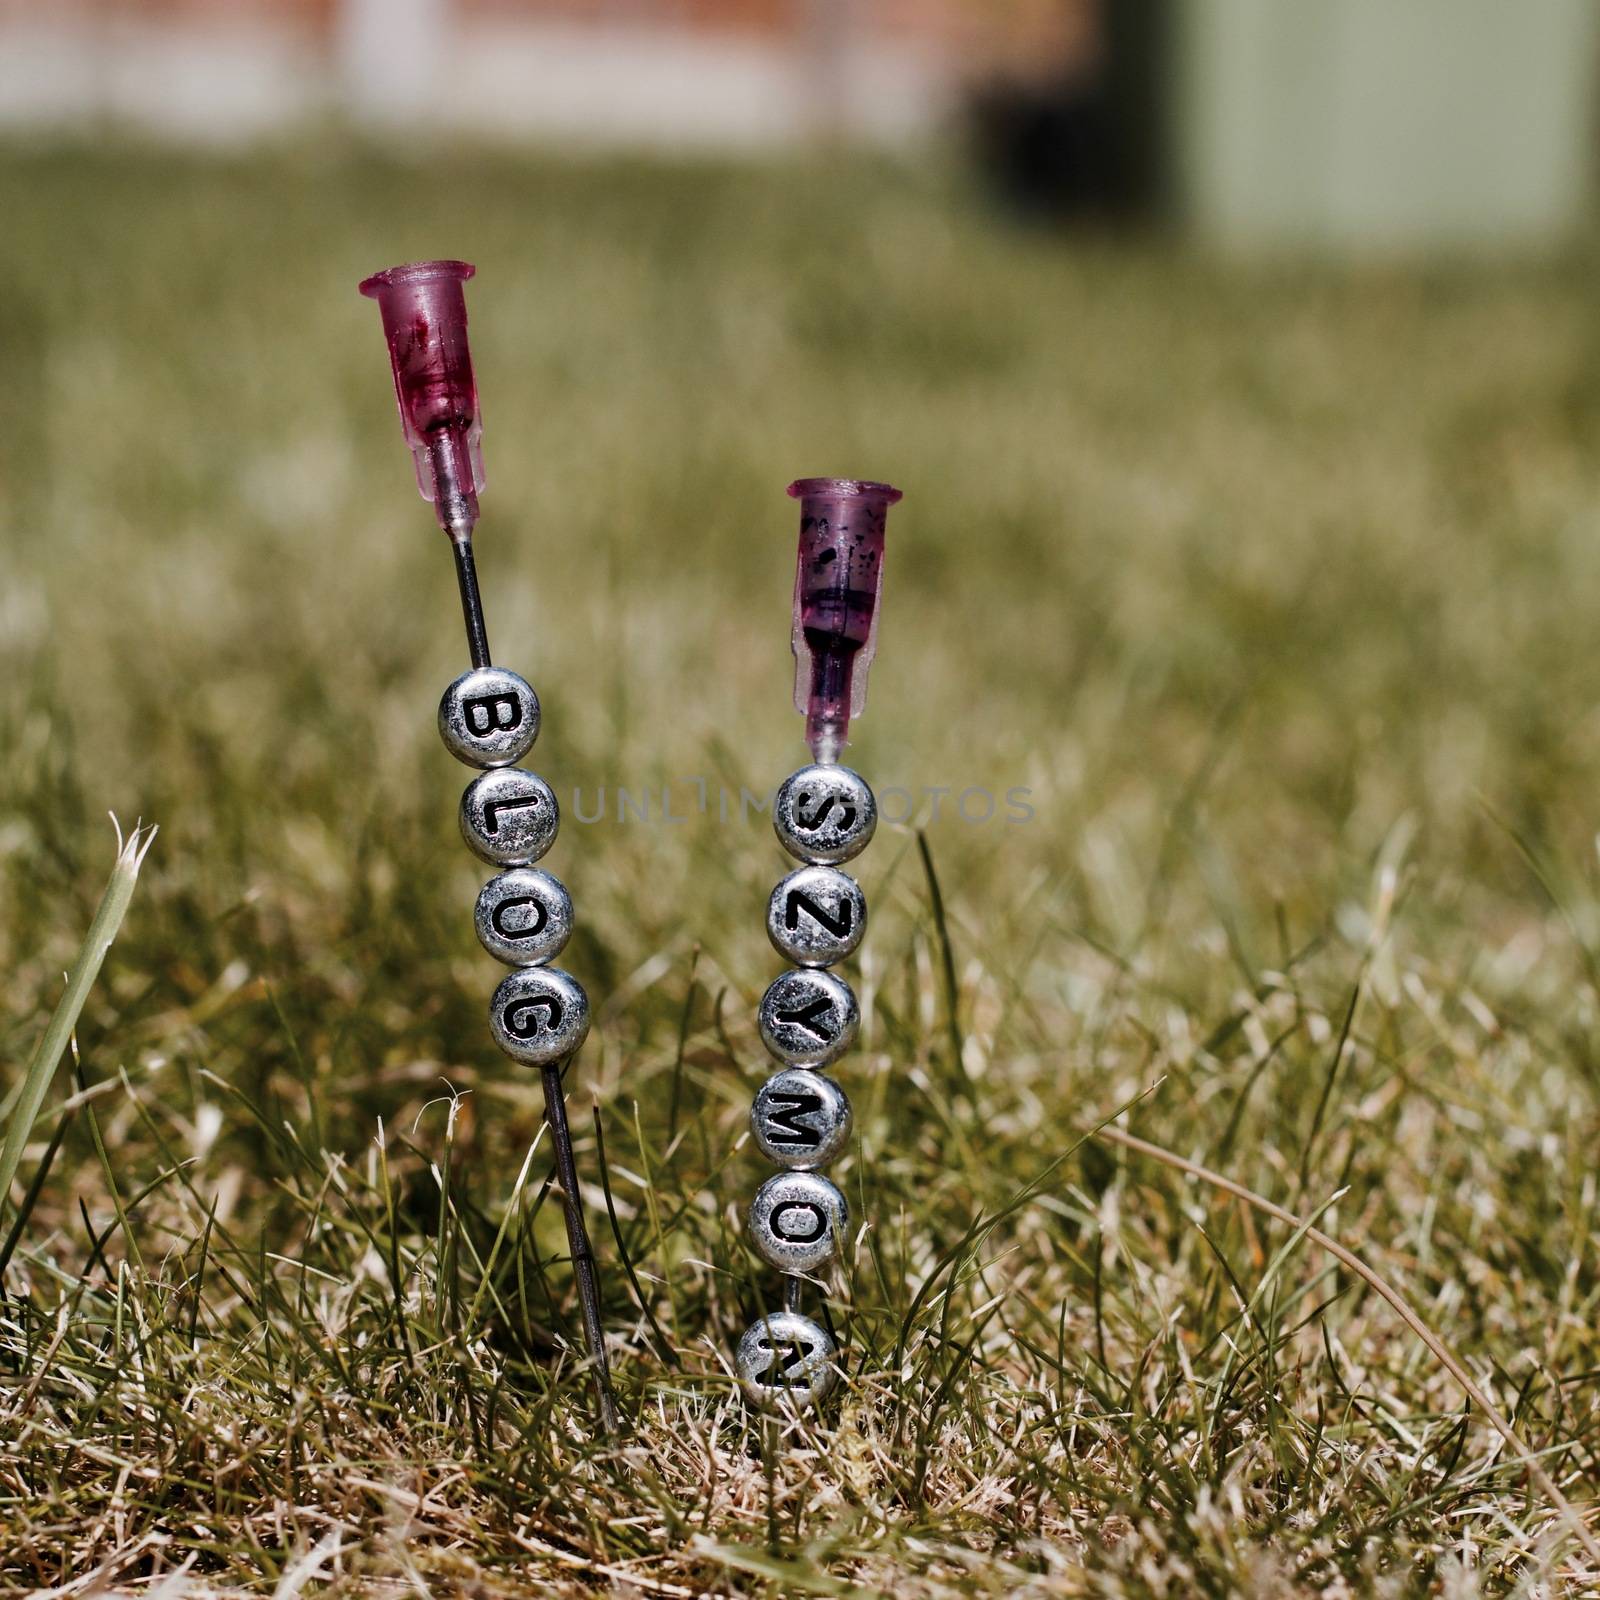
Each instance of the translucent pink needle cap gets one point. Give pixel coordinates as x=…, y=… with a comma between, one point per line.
x=838, y=577
x=425, y=321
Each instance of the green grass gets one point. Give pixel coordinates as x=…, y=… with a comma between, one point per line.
x=1275, y=586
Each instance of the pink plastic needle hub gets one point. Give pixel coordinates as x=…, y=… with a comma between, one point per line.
x=425, y=321
x=838, y=578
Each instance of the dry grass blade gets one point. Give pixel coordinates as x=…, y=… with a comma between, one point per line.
x=1379, y=1284
x=52, y=1045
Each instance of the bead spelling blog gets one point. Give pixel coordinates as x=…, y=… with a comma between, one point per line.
x=489, y=719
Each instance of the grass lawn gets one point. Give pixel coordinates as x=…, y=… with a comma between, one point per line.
x=1274, y=588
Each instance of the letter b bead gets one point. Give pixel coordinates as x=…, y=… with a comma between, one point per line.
x=489, y=717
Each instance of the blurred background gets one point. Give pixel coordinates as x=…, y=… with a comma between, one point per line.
x=1358, y=123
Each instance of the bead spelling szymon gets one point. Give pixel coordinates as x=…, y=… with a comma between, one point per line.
x=489, y=719
x=824, y=814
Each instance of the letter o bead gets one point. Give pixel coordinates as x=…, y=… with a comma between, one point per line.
x=800, y=1119
x=808, y=1018
x=786, y=1360
x=539, y=1016
x=509, y=817
x=523, y=917
x=816, y=916
x=824, y=815
x=797, y=1221
x=489, y=717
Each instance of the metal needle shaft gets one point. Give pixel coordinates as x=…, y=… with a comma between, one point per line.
x=471, y=601
x=555, y=1113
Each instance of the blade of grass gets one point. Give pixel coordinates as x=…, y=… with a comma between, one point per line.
x=52, y=1045
x=31, y=1198
x=663, y=1345
x=947, y=968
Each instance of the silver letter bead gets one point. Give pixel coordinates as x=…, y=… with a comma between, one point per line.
x=800, y=1119
x=816, y=916
x=489, y=717
x=797, y=1221
x=786, y=1359
x=539, y=1016
x=523, y=917
x=808, y=1019
x=824, y=815
x=509, y=817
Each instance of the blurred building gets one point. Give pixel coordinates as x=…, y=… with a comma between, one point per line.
x=1378, y=125
x=664, y=73
x=1347, y=124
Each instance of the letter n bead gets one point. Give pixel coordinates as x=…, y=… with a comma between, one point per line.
x=786, y=1359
